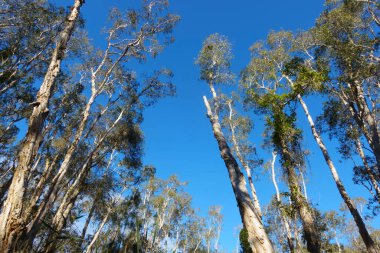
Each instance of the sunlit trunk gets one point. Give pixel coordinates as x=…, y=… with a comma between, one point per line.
x=257, y=236
x=371, y=246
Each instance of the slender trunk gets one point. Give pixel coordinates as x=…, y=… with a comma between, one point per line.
x=73, y=191
x=64, y=208
x=303, y=185
x=104, y=221
x=257, y=236
x=289, y=237
x=368, y=170
x=337, y=242
x=59, y=177
x=370, y=119
x=216, y=244
x=370, y=245
x=198, y=244
x=245, y=165
x=87, y=222
x=96, y=236
x=364, y=119
x=40, y=186
x=11, y=223
x=59, y=223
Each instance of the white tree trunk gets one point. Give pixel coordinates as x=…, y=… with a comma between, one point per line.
x=285, y=220
x=257, y=236
x=244, y=163
x=371, y=247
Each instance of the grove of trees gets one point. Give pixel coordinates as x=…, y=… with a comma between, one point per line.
x=72, y=175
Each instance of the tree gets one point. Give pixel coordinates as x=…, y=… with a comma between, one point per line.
x=74, y=141
x=11, y=215
x=214, y=61
x=345, y=43
x=262, y=83
x=297, y=75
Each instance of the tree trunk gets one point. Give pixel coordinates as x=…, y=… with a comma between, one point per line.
x=367, y=116
x=364, y=119
x=285, y=220
x=88, y=219
x=368, y=170
x=96, y=236
x=11, y=223
x=257, y=236
x=244, y=164
x=311, y=233
x=371, y=247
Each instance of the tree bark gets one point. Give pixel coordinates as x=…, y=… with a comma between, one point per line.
x=11, y=222
x=96, y=236
x=310, y=231
x=257, y=236
x=370, y=245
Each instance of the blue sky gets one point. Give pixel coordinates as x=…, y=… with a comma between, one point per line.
x=178, y=136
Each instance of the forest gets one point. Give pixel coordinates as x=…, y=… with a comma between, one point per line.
x=277, y=150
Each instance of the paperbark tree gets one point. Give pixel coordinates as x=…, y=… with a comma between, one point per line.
x=11, y=222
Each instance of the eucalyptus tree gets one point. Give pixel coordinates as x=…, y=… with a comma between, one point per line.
x=214, y=62
x=213, y=228
x=284, y=212
x=345, y=41
x=238, y=129
x=262, y=80
x=113, y=100
x=296, y=75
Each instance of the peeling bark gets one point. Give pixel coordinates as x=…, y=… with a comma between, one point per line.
x=11, y=222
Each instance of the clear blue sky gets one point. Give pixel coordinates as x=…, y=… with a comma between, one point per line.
x=178, y=136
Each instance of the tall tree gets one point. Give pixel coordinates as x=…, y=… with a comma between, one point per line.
x=299, y=77
x=262, y=81
x=11, y=221
x=214, y=62
x=346, y=42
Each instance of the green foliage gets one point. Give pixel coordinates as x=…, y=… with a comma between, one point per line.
x=214, y=60
x=244, y=244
